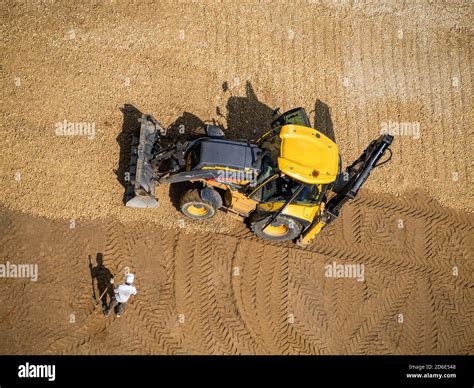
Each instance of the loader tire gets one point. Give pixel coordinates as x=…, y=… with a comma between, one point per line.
x=283, y=228
x=194, y=207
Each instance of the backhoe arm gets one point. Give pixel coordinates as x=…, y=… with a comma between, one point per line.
x=348, y=185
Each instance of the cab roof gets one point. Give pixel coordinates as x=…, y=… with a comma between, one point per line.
x=307, y=155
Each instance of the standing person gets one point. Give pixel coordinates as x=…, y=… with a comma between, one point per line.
x=122, y=294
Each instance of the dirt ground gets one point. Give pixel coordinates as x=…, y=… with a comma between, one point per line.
x=213, y=287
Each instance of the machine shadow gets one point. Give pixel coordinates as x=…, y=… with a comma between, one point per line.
x=322, y=119
x=247, y=117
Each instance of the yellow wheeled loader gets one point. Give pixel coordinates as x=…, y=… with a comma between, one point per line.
x=288, y=184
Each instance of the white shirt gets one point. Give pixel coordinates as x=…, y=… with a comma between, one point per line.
x=123, y=293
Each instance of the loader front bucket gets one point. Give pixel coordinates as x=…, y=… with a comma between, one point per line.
x=141, y=189
x=142, y=202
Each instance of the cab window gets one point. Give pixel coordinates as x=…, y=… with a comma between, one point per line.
x=282, y=188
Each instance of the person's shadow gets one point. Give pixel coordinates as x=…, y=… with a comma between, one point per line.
x=102, y=276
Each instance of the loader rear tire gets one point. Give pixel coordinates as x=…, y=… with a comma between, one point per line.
x=194, y=207
x=283, y=228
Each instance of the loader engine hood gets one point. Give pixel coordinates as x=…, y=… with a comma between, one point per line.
x=307, y=155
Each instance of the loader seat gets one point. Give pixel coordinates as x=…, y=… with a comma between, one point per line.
x=222, y=153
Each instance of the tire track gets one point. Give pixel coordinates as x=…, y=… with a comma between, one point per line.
x=193, y=274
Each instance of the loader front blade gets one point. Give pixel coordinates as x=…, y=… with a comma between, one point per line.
x=141, y=189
